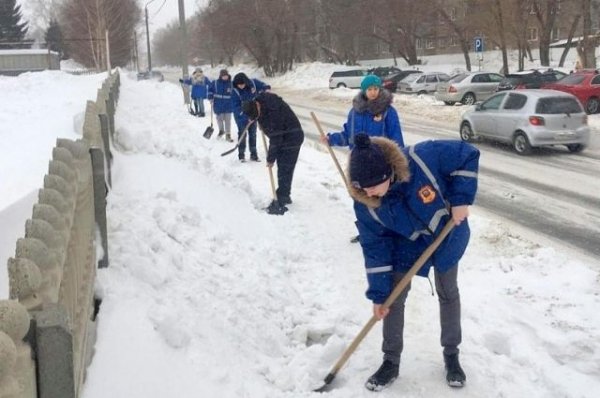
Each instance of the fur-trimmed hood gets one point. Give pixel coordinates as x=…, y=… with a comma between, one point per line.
x=395, y=157
x=360, y=103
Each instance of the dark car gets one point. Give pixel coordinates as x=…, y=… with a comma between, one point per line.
x=529, y=79
x=151, y=75
x=384, y=71
x=391, y=82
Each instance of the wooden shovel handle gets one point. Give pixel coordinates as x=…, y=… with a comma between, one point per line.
x=337, y=164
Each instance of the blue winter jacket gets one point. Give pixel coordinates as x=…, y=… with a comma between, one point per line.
x=199, y=86
x=220, y=93
x=430, y=178
x=377, y=118
x=251, y=90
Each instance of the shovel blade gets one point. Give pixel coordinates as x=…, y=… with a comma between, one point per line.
x=327, y=386
x=276, y=208
x=208, y=133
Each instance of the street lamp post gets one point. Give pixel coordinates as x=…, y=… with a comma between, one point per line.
x=148, y=36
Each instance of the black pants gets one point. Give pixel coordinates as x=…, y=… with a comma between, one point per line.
x=287, y=157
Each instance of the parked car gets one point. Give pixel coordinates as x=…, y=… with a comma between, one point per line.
x=391, y=82
x=529, y=79
x=527, y=119
x=422, y=84
x=585, y=85
x=347, y=78
x=151, y=75
x=468, y=88
x=384, y=71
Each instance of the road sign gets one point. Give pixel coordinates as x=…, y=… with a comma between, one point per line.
x=479, y=44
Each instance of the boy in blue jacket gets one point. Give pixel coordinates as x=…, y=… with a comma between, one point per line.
x=246, y=89
x=199, y=84
x=402, y=200
x=220, y=94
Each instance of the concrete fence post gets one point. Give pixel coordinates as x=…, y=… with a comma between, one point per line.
x=100, y=202
x=54, y=343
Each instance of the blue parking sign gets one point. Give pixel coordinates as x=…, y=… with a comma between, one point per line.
x=478, y=44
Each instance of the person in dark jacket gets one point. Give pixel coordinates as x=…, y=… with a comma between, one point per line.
x=199, y=84
x=220, y=94
x=281, y=125
x=403, y=197
x=372, y=113
x=246, y=89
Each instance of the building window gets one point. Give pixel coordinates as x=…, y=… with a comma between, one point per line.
x=430, y=43
x=453, y=41
x=556, y=8
x=555, y=34
x=453, y=14
x=419, y=43
x=441, y=42
x=532, y=34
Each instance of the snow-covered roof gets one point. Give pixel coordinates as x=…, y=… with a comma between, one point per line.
x=27, y=51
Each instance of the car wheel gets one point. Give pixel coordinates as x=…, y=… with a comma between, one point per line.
x=341, y=85
x=422, y=92
x=521, y=144
x=466, y=133
x=449, y=102
x=468, y=99
x=574, y=148
x=592, y=105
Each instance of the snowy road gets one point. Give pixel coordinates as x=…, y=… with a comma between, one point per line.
x=568, y=208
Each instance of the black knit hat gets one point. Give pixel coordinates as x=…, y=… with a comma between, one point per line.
x=368, y=166
x=240, y=78
x=250, y=109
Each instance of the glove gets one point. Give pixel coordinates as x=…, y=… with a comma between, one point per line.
x=180, y=80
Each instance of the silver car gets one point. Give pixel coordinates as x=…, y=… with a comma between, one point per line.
x=422, y=83
x=347, y=78
x=468, y=88
x=529, y=118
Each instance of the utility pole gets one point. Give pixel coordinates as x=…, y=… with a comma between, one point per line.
x=148, y=37
x=183, y=51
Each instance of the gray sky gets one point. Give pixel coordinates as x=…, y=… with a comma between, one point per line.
x=161, y=12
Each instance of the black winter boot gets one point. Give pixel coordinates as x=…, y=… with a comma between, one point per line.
x=385, y=375
x=455, y=376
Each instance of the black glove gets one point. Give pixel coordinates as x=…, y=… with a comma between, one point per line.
x=180, y=80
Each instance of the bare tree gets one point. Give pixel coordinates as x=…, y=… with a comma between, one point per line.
x=586, y=48
x=572, y=30
x=459, y=27
x=545, y=13
x=85, y=23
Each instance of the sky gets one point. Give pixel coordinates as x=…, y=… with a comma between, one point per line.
x=209, y=296
x=163, y=12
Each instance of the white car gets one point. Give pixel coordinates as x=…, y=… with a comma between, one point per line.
x=347, y=78
x=527, y=119
x=422, y=83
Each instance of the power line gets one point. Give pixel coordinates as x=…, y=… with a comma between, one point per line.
x=159, y=8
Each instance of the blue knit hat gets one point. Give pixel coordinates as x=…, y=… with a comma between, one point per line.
x=368, y=165
x=368, y=81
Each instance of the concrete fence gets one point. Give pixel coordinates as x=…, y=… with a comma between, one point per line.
x=47, y=328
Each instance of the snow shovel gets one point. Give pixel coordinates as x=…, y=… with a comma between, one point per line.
x=392, y=297
x=337, y=164
x=242, y=136
x=209, y=130
x=275, y=207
